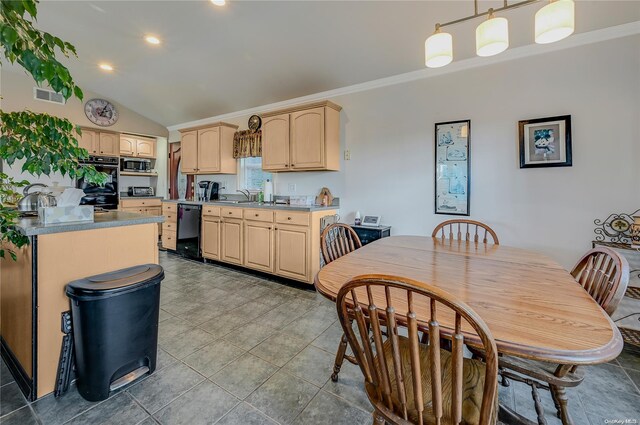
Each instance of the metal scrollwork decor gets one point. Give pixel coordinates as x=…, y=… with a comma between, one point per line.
x=616, y=228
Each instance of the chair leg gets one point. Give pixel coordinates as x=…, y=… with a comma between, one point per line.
x=504, y=381
x=538, y=405
x=377, y=419
x=342, y=350
x=561, y=400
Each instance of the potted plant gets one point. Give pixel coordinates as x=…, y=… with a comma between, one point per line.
x=44, y=143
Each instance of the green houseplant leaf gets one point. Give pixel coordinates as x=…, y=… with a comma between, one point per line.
x=44, y=143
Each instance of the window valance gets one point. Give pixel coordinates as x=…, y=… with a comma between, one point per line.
x=247, y=143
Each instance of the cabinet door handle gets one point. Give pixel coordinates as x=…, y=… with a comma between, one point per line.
x=257, y=215
x=288, y=218
x=230, y=212
x=286, y=165
x=293, y=165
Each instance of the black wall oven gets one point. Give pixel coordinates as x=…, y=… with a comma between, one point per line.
x=101, y=196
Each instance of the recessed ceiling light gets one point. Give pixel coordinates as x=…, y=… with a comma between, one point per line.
x=152, y=39
x=106, y=67
x=218, y=2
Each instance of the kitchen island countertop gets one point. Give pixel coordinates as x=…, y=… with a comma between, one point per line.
x=31, y=226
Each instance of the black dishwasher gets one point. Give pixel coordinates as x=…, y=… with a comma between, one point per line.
x=188, y=243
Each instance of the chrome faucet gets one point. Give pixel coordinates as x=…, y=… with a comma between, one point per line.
x=246, y=193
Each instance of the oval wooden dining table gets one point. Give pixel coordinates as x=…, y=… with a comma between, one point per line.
x=533, y=307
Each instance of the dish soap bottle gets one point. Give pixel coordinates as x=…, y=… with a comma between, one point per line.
x=357, y=221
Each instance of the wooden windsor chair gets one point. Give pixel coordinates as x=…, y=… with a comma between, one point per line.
x=462, y=229
x=336, y=240
x=409, y=382
x=604, y=274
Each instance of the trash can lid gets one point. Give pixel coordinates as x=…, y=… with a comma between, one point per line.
x=112, y=283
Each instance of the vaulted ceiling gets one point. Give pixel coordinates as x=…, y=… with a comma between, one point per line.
x=215, y=60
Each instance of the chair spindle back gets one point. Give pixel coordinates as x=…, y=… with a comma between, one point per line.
x=392, y=380
x=604, y=274
x=338, y=239
x=469, y=230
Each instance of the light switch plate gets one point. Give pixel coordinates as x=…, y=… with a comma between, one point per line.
x=347, y=155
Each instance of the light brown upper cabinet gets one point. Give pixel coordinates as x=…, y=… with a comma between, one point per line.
x=99, y=142
x=302, y=138
x=275, y=143
x=208, y=150
x=89, y=140
x=127, y=145
x=109, y=144
x=189, y=148
x=137, y=147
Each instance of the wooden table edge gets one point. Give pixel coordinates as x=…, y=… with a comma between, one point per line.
x=604, y=354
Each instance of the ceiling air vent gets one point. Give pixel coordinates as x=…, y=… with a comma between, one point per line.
x=48, y=96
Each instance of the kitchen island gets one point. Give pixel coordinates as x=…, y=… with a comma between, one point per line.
x=32, y=296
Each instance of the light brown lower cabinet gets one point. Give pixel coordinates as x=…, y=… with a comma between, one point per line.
x=258, y=246
x=231, y=240
x=292, y=251
x=211, y=237
x=284, y=243
x=143, y=206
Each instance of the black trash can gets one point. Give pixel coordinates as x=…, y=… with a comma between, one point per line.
x=115, y=328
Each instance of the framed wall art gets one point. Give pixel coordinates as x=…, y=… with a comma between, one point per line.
x=453, y=167
x=545, y=142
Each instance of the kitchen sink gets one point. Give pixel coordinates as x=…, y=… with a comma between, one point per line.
x=229, y=201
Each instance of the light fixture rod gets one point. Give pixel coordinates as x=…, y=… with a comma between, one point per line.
x=477, y=15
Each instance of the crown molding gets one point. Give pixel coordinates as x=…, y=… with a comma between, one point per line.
x=582, y=39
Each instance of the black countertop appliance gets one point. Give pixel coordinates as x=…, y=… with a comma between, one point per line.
x=208, y=191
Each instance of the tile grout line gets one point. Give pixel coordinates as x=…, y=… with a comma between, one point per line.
x=632, y=381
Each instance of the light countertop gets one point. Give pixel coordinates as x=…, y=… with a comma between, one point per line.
x=31, y=226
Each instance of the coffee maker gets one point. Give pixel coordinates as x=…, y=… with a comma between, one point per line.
x=208, y=191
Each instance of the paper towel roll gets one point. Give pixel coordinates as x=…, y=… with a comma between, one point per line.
x=268, y=191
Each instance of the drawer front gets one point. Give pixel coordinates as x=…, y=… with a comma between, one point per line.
x=208, y=210
x=292, y=217
x=231, y=212
x=169, y=207
x=169, y=240
x=259, y=215
x=170, y=217
x=130, y=203
x=168, y=226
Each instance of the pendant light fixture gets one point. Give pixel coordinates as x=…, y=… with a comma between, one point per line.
x=438, y=49
x=492, y=36
x=555, y=21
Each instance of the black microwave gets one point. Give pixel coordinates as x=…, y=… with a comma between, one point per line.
x=135, y=165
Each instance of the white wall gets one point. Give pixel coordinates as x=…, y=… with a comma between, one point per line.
x=389, y=132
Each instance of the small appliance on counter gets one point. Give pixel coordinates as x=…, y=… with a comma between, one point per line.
x=140, y=191
x=208, y=191
x=136, y=165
